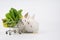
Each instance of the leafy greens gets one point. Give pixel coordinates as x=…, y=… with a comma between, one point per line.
x=12, y=17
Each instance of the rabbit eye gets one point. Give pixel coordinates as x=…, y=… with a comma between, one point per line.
x=25, y=20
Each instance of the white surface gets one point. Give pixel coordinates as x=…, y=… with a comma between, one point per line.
x=47, y=14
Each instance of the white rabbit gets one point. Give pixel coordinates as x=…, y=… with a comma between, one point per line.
x=30, y=24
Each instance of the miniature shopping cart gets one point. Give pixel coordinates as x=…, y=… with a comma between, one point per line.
x=14, y=29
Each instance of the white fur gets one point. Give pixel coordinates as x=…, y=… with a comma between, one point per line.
x=31, y=27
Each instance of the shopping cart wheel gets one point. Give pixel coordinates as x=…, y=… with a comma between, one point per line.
x=20, y=32
x=6, y=32
x=14, y=31
x=9, y=33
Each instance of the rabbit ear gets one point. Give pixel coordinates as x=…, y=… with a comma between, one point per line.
x=26, y=15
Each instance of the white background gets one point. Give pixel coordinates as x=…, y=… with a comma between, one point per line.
x=47, y=13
